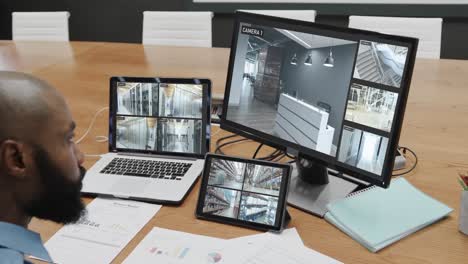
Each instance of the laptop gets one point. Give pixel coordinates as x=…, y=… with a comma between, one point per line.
x=159, y=133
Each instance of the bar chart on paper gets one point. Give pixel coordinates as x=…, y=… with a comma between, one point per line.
x=174, y=247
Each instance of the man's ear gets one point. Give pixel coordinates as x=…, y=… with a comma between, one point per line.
x=11, y=158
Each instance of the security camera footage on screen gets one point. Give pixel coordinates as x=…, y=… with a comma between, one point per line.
x=159, y=117
x=247, y=192
x=314, y=90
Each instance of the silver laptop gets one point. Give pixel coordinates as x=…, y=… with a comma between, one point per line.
x=159, y=132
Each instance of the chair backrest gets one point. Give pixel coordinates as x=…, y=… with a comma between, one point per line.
x=177, y=28
x=427, y=30
x=305, y=15
x=40, y=26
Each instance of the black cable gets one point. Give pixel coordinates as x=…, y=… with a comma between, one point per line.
x=280, y=157
x=289, y=156
x=404, y=149
x=218, y=149
x=224, y=138
x=271, y=155
x=258, y=149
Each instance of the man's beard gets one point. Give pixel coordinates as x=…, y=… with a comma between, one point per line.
x=59, y=200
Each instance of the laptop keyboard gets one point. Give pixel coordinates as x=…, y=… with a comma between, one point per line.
x=147, y=168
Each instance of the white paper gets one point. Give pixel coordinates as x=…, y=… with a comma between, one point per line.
x=251, y=245
x=99, y=236
x=276, y=251
x=266, y=248
x=174, y=247
x=290, y=236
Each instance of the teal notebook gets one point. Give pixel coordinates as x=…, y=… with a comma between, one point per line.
x=378, y=217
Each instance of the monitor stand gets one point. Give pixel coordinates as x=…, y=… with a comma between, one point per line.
x=312, y=187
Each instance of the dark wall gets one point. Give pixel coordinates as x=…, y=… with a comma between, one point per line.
x=319, y=83
x=121, y=20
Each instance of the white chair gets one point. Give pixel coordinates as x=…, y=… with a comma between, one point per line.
x=427, y=30
x=40, y=26
x=305, y=15
x=177, y=28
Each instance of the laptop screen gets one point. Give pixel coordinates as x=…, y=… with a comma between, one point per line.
x=160, y=116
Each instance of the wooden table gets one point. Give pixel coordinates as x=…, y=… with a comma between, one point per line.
x=436, y=127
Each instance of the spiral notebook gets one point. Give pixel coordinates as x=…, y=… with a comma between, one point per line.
x=377, y=217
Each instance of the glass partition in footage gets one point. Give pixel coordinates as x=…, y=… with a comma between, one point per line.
x=318, y=91
x=159, y=117
x=242, y=191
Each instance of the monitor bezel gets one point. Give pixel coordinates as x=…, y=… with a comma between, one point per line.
x=206, y=115
x=382, y=180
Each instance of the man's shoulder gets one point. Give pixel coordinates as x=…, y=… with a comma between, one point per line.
x=10, y=256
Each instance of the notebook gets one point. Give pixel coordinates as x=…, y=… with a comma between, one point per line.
x=377, y=217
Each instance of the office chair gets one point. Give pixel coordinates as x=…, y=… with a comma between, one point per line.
x=40, y=26
x=427, y=30
x=177, y=28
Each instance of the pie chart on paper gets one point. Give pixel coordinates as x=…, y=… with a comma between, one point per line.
x=214, y=257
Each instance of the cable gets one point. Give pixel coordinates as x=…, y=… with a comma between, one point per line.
x=91, y=124
x=280, y=157
x=256, y=151
x=404, y=149
x=101, y=139
x=289, y=156
x=224, y=138
x=218, y=149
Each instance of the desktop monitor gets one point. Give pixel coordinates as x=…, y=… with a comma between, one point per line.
x=334, y=97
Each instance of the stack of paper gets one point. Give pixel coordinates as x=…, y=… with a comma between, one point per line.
x=174, y=247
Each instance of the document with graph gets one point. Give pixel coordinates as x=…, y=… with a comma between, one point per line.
x=175, y=247
x=99, y=236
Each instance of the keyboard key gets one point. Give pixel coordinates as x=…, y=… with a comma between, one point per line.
x=136, y=174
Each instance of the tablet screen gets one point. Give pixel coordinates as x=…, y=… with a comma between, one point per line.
x=244, y=190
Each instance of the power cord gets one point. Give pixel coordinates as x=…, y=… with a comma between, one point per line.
x=404, y=150
x=98, y=138
x=256, y=151
x=276, y=155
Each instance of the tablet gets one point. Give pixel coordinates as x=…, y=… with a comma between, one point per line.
x=245, y=192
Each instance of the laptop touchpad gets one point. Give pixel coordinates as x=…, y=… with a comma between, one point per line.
x=130, y=186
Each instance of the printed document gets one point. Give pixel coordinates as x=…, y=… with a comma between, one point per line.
x=99, y=236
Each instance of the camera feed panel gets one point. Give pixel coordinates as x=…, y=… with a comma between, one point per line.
x=371, y=107
x=160, y=99
x=363, y=150
x=180, y=100
x=263, y=179
x=291, y=85
x=137, y=98
x=258, y=208
x=227, y=174
x=380, y=63
x=136, y=132
x=222, y=202
x=179, y=135
x=247, y=192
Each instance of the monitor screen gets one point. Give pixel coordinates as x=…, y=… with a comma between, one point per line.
x=160, y=117
x=334, y=94
x=244, y=191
